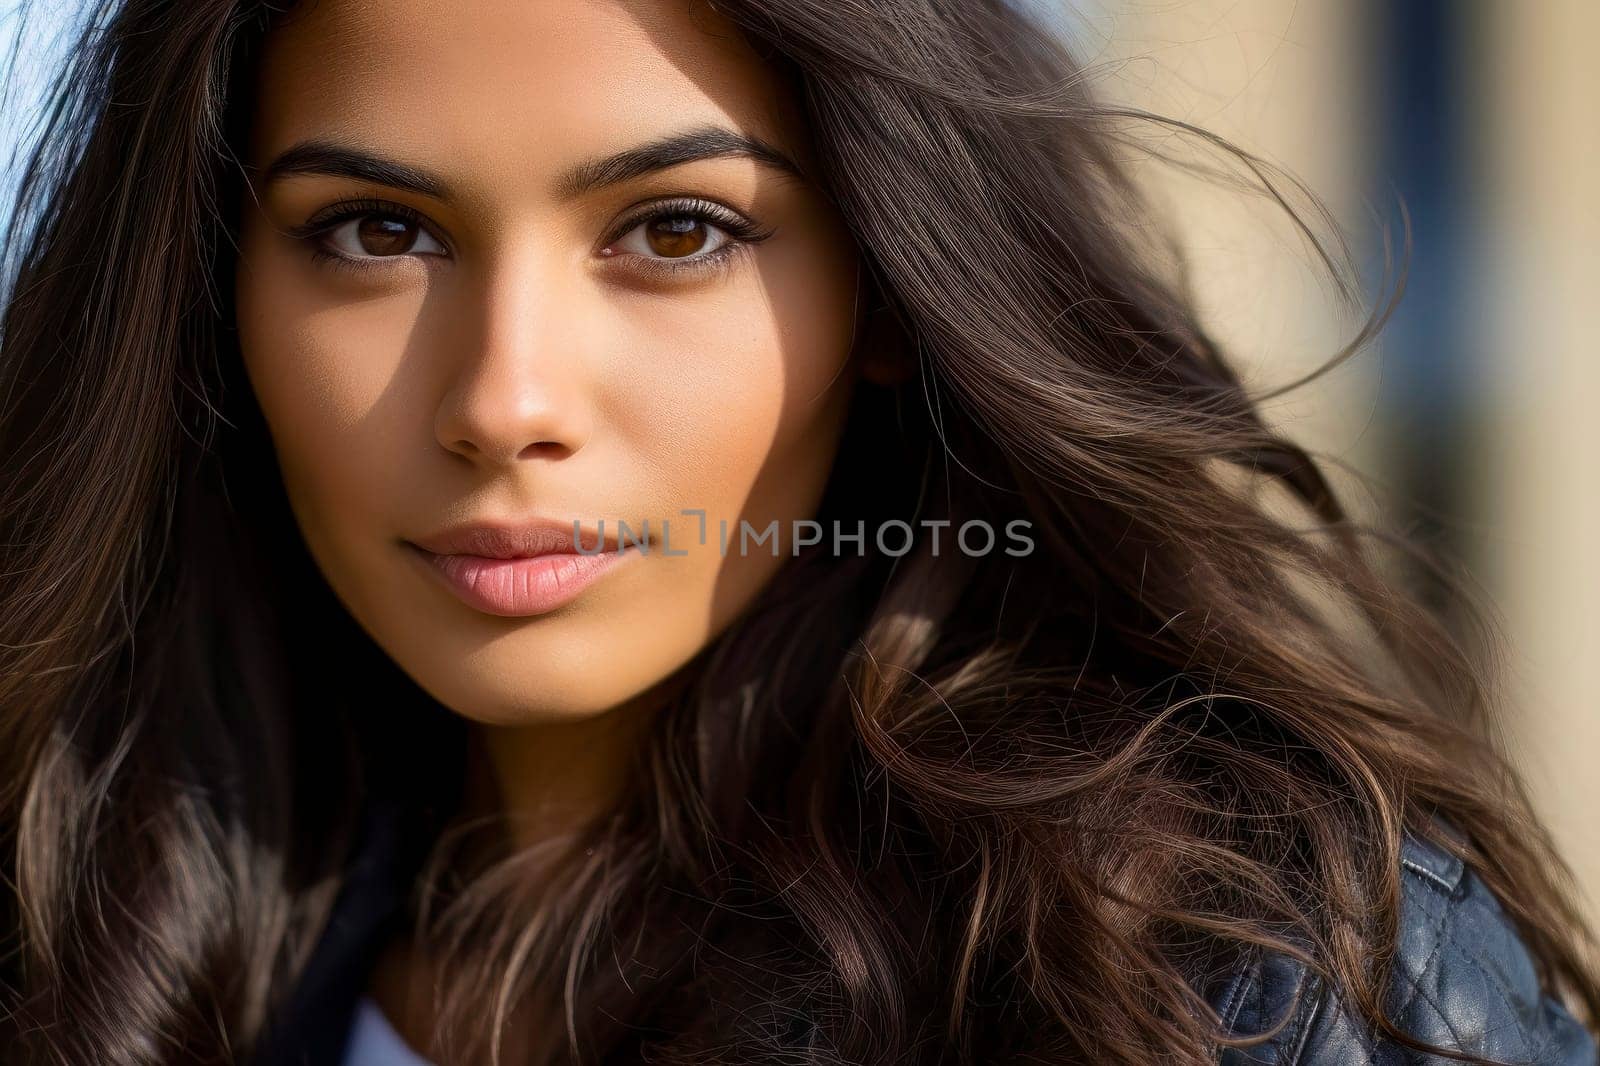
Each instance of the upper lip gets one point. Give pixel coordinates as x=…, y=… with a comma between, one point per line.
x=516, y=540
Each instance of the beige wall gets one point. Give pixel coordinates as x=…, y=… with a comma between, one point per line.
x=1540, y=491
x=1286, y=78
x=1258, y=72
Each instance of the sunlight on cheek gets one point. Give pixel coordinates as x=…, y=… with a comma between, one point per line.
x=332, y=370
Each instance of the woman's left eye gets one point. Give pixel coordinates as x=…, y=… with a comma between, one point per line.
x=684, y=234
x=673, y=237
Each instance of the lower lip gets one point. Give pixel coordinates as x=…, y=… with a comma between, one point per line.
x=517, y=588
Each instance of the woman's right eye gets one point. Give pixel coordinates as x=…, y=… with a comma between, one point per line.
x=376, y=235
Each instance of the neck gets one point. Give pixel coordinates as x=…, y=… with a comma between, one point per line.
x=549, y=780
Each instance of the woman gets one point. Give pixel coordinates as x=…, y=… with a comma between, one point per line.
x=971, y=698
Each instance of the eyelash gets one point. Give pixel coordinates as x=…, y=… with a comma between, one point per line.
x=324, y=222
x=742, y=233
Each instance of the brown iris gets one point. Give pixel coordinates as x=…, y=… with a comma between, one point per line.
x=385, y=235
x=676, y=237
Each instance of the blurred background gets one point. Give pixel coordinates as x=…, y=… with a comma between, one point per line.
x=1473, y=418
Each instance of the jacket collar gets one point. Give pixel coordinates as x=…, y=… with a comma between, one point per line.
x=311, y=1025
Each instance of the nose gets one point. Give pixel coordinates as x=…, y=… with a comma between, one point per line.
x=518, y=390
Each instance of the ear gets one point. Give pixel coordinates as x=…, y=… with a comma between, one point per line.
x=884, y=344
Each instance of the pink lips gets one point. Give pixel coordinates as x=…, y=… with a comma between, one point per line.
x=516, y=571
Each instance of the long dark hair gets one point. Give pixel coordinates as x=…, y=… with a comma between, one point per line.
x=930, y=807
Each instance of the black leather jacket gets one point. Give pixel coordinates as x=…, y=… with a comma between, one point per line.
x=1461, y=979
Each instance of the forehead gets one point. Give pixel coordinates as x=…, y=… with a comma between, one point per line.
x=512, y=88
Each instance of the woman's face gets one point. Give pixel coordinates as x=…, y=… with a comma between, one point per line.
x=484, y=283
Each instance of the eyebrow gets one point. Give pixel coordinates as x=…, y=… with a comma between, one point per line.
x=320, y=156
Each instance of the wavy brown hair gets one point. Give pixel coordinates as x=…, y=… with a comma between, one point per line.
x=934, y=807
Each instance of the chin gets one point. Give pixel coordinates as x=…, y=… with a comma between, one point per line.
x=532, y=681
x=528, y=697
x=508, y=714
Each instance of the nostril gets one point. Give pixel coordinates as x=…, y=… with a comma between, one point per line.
x=546, y=449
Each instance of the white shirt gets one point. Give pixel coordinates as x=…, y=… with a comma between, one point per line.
x=374, y=1042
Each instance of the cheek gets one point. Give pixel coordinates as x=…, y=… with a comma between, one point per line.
x=745, y=416
x=324, y=372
